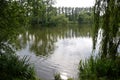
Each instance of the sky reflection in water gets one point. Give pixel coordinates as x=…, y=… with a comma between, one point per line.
x=65, y=56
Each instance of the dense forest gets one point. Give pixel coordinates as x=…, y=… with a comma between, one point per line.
x=22, y=14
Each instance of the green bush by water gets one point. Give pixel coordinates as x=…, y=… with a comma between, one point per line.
x=99, y=69
x=57, y=77
x=13, y=68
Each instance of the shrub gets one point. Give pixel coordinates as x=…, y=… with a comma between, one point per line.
x=13, y=68
x=57, y=77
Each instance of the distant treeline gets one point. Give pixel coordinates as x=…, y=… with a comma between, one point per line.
x=42, y=12
x=72, y=10
x=76, y=13
x=63, y=15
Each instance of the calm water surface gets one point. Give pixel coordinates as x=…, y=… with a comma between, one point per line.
x=56, y=50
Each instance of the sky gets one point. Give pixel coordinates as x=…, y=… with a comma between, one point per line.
x=74, y=3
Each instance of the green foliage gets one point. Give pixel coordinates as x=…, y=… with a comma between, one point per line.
x=85, y=17
x=12, y=16
x=60, y=19
x=41, y=12
x=37, y=12
x=107, y=65
x=97, y=69
x=75, y=13
x=57, y=77
x=13, y=68
x=108, y=13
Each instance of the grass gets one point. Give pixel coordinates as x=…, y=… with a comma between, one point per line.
x=13, y=68
x=99, y=69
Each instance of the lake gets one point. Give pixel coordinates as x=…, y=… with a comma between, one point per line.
x=54, y=50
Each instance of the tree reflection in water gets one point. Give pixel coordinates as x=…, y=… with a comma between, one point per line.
x=41, y=40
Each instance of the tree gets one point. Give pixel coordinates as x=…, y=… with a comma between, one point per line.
x=109, y=11
x=85, y=17
x=41, y=11
x=12, y=16
x=106, y=65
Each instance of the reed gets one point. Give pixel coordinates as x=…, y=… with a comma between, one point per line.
x=99, y=69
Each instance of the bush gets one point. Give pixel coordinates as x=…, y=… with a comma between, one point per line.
x=13, y=68
x=59, y=20
x=58, y=77
x=100, y=69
